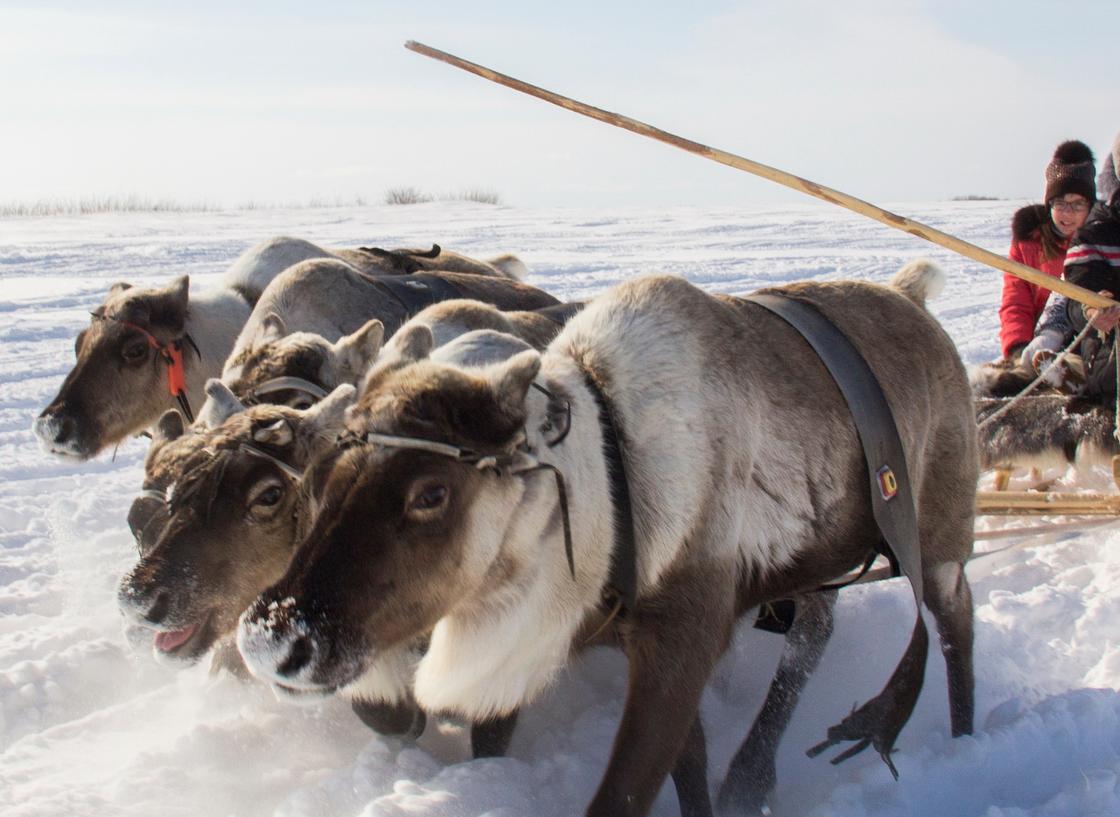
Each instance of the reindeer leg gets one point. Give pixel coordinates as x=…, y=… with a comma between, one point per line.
x=491, y=738
x=949, y=598
x=878, y=722
x=690, y=775
x=751, y=776
x=401, y=719
x=673, y=640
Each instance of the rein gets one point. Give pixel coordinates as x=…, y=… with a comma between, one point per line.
x=172, y=354
x=1038, y=381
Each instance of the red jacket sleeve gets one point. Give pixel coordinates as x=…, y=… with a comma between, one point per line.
x=1017, y=315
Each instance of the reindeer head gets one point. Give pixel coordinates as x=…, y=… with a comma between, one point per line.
x=230, y=521
x=402, y=535
x=279, y=368
x=119, y=384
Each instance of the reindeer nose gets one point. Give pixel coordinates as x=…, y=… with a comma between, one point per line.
x=160, y=607
x=273, y=639
x=298, y=657
x=53, y=426
x=142, y=607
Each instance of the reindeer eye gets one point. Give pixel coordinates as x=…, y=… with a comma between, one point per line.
x=429, y=498
x=264, y=501
x=132, y=352
x=269, y=496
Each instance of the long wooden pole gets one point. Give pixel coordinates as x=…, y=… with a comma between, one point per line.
x=819, y=191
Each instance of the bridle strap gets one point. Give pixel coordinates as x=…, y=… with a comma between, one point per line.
x=288, y=470
x=516, y=463
x=287, y=384
x=172, y=353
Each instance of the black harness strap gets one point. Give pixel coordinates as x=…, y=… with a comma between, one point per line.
x=622, y=584
x=892, y=499
x=417, y=291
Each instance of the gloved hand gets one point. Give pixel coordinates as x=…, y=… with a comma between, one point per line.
x=1043, y=341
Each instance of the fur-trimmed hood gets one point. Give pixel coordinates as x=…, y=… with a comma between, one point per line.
x=1027, y=220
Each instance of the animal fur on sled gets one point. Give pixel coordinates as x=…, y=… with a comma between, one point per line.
x=1051, y=430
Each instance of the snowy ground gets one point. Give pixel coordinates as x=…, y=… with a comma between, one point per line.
x=88, y=727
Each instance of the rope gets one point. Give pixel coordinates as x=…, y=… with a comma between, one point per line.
x=1038, y=380
x=1026, y=535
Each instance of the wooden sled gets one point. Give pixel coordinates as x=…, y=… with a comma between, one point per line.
x=1002, y=502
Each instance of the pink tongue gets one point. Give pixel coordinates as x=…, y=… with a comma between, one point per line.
x=165, y=642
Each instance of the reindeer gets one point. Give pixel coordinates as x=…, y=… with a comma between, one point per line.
x=296, y=368
x=281, y=252
x=148, y=350
x=221, y=508
x=438, y=513
x=326, y=299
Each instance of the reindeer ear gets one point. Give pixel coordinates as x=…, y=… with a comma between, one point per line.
x=180, y=291
x=118, y=288
x=272, y=328
x=278, y=433
x=163, y=307
x=513, y=378
x=226, y=403
x=330, y=412
x=176, y=296
x=356, y=351
x=169, y=427
x=414, y=342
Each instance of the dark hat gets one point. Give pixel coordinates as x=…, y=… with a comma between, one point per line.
x=1109, y=181
x=1071, y=171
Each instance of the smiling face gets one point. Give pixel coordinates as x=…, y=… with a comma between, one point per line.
x=228, y=528
x=118, y=385
x=1069, y=213
x=401, y=536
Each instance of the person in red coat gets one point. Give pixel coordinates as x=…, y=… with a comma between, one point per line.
x=1040, y=236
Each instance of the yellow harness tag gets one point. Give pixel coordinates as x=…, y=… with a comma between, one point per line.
x=888, y=485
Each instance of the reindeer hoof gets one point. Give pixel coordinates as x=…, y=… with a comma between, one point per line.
x=403, y=720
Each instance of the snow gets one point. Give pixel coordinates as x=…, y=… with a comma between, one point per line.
x=91, y=726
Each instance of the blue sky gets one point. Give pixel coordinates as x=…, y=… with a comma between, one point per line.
x=892, y=101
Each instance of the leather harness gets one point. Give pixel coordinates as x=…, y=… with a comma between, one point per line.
x=892, y=499
x=622, y=584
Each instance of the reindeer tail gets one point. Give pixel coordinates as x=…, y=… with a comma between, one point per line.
x=919, y=280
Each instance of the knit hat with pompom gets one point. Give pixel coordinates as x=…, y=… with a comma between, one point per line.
x=1071, y=171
